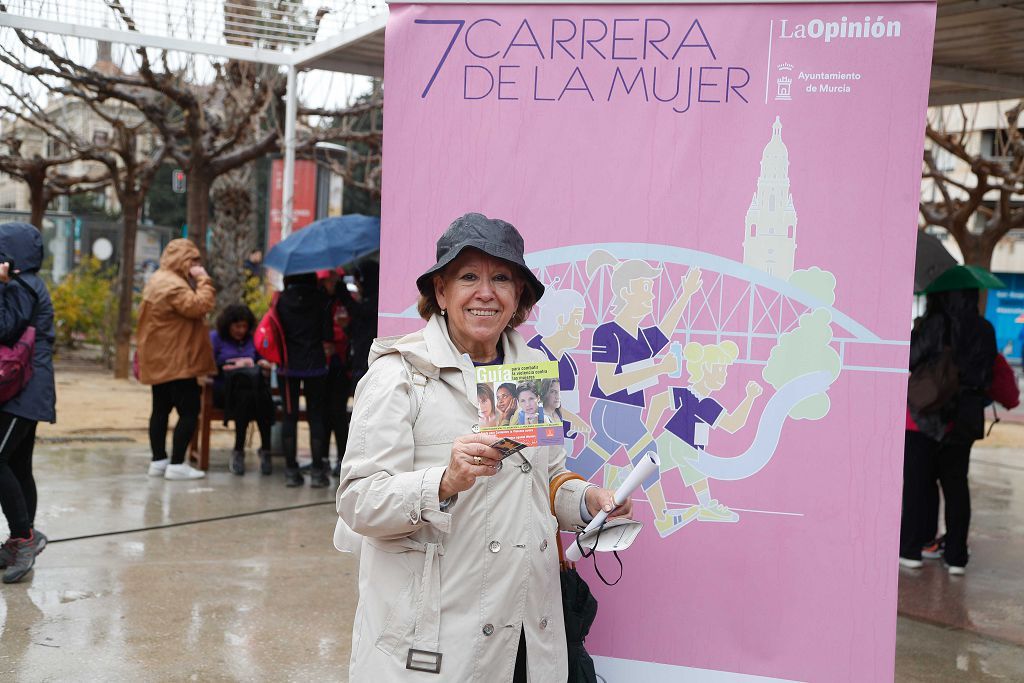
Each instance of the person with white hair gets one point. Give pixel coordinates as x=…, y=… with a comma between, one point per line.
x=559, y=327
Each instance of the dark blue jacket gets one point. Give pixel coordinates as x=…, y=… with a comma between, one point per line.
x=22, y=244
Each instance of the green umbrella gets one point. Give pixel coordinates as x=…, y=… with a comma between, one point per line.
x=964, y=277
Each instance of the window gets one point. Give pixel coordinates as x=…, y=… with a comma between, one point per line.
x=994, y=144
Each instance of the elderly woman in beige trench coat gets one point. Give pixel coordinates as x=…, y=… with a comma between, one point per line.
x=458, y=576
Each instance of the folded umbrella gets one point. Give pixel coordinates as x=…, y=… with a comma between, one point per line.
x=326, y=243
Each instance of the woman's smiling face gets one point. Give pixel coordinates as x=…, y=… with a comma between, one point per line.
x=479, y=294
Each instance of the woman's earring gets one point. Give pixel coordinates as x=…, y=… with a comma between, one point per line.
x=443, y=312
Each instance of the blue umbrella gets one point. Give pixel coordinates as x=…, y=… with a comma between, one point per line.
x=325, y=244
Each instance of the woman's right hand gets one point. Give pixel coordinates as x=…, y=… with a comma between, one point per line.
x=472, y=457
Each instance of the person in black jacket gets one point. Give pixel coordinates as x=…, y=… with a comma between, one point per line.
x=362, y=326
x=938, y=443
x=24, y=301
x=304, y=310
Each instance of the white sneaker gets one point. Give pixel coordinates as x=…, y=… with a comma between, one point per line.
x=911, y=564
x=158, y=467
x=183, y=471
x=956, y=571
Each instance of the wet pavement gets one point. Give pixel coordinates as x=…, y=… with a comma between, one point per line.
x=234, y=578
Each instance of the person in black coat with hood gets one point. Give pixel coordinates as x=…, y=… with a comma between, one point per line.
x=24, y=302
x=938, y=443
x=304, y=310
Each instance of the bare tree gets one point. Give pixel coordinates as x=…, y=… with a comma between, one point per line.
x=130, y=167
x=359, y=130
x=992, y=192
x=47, y=176
x=233, y=235
x=214, y=129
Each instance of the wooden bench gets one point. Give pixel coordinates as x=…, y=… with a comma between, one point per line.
x=199, y=451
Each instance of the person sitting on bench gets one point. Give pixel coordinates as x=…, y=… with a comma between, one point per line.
x=241, y=388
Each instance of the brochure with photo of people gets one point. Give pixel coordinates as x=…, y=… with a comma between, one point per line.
x=519, y=404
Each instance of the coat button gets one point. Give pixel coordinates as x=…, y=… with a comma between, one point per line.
x=488, y=629
x=526, y=467
x=544, y=545
x=475, y=429
x=544, y=623
x=494, y=546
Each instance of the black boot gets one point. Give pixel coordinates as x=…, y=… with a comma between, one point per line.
x=318, y=478
x=292, y=477
x=266, y=467
x=237, y=465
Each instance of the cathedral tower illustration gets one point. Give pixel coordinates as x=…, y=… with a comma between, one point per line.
x=769, y=243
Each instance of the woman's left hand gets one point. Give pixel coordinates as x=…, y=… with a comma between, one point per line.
x=604, y=499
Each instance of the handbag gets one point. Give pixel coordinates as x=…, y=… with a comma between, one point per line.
x=579, y=607
x=16, y=358
x=1004, y=388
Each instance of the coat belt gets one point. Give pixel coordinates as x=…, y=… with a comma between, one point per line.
x=423, y=655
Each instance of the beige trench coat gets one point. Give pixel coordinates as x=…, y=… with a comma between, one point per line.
x=462, y=582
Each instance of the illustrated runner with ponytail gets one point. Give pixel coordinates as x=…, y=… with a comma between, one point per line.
x=626, y=357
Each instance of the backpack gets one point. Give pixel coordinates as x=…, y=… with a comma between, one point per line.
x=269, y=336
x=345, y=539
x=935, y=380
x=16, y=359
x=933, y=383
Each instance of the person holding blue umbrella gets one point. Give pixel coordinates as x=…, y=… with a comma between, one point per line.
x=304, y=310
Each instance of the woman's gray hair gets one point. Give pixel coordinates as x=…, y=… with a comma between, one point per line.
x=558, y=304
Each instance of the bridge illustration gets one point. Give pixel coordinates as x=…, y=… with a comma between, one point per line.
x=735, y=301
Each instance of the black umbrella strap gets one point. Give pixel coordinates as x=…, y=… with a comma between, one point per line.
x=592, y=551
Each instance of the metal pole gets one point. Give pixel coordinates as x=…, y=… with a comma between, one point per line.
x=288, y=191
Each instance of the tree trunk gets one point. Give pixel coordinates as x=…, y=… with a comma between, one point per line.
x=126, y=287
x=233, y=236
x=198, y=208
x=37, y=202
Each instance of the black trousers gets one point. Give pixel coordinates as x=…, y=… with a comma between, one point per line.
x=312, y=389
x=182, y=395
x=336, y=415
x=17, y=485
x=263, y=417
x=519, y=674
x=928, y=464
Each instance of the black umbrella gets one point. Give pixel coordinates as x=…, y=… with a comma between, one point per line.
x=932, y=260
x=579, y=608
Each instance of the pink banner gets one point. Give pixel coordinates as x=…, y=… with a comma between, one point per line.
x=721, y=200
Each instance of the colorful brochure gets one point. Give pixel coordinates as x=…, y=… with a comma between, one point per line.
x=520, y=402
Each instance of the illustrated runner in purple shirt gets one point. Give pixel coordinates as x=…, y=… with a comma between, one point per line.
x=693, y=411
x=695, y=414
x=627, y=358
